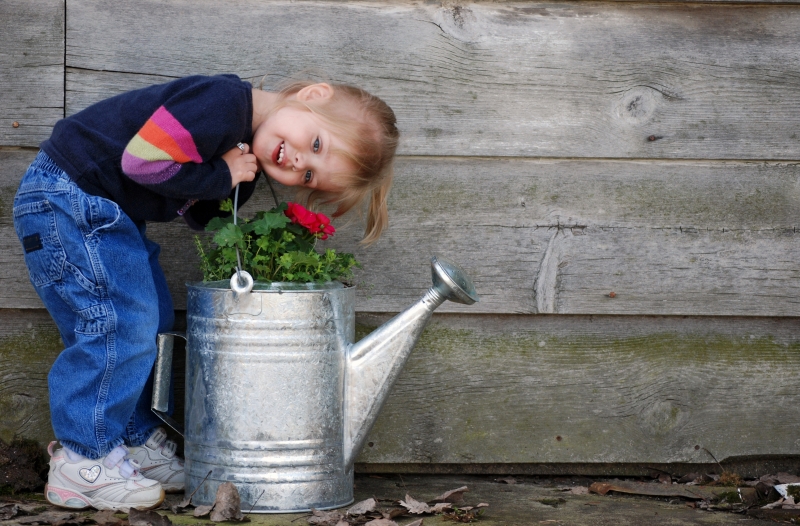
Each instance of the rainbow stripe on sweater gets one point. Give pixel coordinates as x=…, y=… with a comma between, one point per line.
x=157, y=152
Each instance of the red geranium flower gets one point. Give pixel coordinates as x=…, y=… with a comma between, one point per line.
x=317, y=224
x=325, y=226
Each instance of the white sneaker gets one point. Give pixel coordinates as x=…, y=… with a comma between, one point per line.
x=109, y=483
x=158, y=461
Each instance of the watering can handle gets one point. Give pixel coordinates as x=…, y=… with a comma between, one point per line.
x=162, y=379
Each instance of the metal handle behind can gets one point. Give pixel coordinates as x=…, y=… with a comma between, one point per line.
x=162, y=379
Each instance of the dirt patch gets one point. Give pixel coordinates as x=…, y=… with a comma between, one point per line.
x=23, y=466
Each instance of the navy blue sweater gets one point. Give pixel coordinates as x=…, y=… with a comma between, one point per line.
x=156, y=150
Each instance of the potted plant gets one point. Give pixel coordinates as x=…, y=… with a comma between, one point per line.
x=278, y=245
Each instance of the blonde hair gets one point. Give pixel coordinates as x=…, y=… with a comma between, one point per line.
x=368, y=128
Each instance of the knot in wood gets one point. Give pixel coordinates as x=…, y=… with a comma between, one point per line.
x=637, y=105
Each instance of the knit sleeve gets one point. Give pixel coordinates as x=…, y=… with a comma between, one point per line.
x=177, y=152
x=157, y=152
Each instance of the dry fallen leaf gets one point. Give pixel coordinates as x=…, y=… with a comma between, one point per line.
x=363, y=507
x=393, y=512
x=147, y=518
x=508, y=480
x=106, y=518
x=460, y=515
x=439, y=507
x=227, y=504
x=202, y=511
x=8, y=510
x=454, y=495
x=417, y=522
x=49, y=517
x=325, y=518
x=181, y=506
x=380, y=522
x=414, y=506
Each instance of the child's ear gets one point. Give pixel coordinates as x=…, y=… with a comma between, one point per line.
x=315, y=92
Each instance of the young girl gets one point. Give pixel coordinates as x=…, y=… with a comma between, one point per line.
x=154, y=154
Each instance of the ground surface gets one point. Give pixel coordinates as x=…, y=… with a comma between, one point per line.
x=527, y=501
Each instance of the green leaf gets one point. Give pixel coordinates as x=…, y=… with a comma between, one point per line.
x=229, y=236
x=264, y=225
x=305, y=258
x=217, y=223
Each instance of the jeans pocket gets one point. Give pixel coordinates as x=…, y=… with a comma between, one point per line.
x=99, y=213
x=35, y=224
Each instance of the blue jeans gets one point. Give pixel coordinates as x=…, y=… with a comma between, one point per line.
x=99, y=277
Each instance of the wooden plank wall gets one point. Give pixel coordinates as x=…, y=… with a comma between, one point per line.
x=558, y=152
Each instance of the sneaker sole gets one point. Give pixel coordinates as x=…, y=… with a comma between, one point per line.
x=65, y=498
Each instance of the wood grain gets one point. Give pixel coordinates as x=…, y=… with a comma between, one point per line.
x=32, y=44
x=545, y=237
x=29, y=343
x=599, y=80
x=482, y=389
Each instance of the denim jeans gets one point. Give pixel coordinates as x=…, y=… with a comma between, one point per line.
x=99, y=277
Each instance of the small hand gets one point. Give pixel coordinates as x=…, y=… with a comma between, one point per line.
x=241, y=163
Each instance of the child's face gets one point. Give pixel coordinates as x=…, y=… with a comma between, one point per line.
x=295, y=148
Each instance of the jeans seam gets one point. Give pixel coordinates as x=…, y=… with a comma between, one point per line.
x=134, y=437
x=102, y=398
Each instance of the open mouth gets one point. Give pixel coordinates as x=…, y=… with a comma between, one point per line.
x=278, y=154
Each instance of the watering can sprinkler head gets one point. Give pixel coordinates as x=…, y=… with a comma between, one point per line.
x=452, y=282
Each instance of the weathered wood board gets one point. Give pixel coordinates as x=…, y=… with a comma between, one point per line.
x=499, y=79
x=535, y=389
x=546, y=236
x=558, y=152
x=29, y=343
x=31, y=70
x=592, y=389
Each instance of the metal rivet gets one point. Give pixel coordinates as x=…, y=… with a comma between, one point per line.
x=651, y=138
x=612, y=294
x=15, y=124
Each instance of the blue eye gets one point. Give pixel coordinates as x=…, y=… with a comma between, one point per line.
x=316, y=145
x=307, y=177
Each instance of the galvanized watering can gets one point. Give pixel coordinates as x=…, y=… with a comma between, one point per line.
x=279, y=400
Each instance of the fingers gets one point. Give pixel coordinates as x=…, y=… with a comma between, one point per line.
x=242, y=164
x=244, y=168
x=250, y=165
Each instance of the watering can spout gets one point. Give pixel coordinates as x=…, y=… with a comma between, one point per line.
x=375, y=362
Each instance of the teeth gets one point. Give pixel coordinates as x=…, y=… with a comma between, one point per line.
x=280, y=154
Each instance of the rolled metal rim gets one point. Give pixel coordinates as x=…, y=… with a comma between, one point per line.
x=275, y=286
